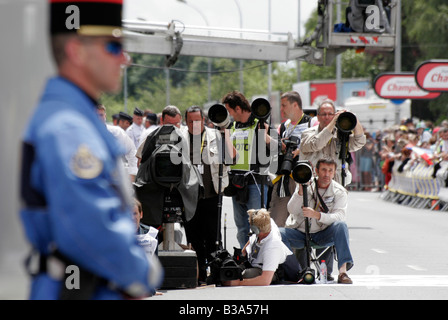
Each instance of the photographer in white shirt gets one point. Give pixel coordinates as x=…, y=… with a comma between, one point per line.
x=265, y=251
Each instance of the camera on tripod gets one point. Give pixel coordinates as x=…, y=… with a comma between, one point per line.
x=291, y=145
x=167, y=184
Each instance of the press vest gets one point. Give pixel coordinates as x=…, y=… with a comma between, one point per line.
x=244, y=142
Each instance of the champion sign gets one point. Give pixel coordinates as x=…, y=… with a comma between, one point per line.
x=400, y=86
x=433, y=76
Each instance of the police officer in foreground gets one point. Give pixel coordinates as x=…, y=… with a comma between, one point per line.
x=77, y=209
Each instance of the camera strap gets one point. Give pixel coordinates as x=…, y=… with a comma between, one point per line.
x=324, y=206
x=283, y=187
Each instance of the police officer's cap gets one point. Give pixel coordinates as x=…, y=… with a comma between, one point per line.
x=138, y=112
x=125, y=116
x=86, y=17
x=152, y=117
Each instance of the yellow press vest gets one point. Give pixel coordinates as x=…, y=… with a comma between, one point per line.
x=244, y=142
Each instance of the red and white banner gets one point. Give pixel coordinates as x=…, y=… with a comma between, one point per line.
x=400, y=86
x=432, y=75
x=363, y=40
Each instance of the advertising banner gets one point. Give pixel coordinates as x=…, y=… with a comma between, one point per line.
x=433, y=76
x=400, y=86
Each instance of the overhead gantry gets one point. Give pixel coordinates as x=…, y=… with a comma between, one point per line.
x=173, y=39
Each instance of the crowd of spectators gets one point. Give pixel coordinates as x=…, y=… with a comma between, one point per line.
x=411, y=141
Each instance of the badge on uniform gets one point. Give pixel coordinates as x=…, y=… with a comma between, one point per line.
x=85, y=164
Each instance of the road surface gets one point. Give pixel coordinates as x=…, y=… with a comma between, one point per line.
x=399, y=253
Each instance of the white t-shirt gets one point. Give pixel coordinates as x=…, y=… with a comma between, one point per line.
x=270, y=252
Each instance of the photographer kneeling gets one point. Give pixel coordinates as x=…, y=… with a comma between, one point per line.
x=326, y=211
x=265, y=253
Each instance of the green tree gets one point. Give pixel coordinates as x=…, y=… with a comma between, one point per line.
x=426, y=26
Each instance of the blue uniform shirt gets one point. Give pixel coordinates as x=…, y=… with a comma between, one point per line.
x=74, y=196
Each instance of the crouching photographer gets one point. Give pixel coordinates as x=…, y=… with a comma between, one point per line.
x=269, y=261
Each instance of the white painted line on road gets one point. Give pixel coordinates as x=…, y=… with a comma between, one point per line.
x=374, y=281
x=377, y=281
x=379, y=250
x=416, y=268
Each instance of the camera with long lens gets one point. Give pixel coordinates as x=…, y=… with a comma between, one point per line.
x=346, y=122
x=302, y=172
x=308, y=276
x=219, y=116
x=224, y=268
x=291, y=145
x=261, y=109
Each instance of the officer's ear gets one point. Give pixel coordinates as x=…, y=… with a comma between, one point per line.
x=75, y=51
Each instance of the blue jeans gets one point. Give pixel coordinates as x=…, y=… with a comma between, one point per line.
x=336, y=234
x=240, y=211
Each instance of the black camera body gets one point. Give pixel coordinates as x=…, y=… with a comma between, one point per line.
x=167, y=184
x=223, y=267
x=291, y=145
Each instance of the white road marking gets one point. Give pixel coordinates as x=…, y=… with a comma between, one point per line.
x=378, y=281
x=402, y=280
x=379, y=250
x=416, y=268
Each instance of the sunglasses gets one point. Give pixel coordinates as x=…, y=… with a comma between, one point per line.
x=114, y=48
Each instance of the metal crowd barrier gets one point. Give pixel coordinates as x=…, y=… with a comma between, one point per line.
x=416, y=187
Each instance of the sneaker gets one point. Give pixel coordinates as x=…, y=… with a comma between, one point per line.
x=344, y=279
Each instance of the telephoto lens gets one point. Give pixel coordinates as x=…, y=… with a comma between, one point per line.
x=346, y=122
x=302, y=172
x=261, y=108
x=219, y=115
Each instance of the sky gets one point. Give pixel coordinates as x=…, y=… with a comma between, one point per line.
x=224, y=13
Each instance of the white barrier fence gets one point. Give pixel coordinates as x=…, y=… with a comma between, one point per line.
x=417, y=186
